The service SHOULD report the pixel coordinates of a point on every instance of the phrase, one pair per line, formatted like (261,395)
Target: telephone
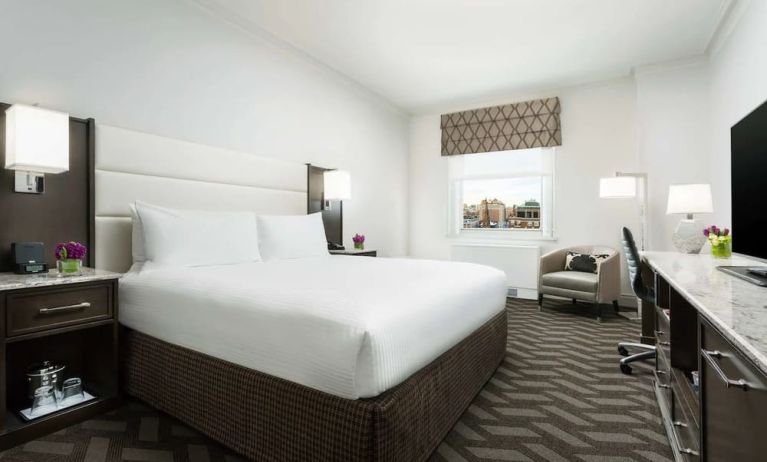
(334,246)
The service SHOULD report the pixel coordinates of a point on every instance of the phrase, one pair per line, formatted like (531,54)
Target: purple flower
(715,231)
(358,238)
(70,250)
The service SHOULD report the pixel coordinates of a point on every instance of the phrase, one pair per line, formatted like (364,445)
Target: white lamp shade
(689,199)
(338,185)
(36,140)
(619,187)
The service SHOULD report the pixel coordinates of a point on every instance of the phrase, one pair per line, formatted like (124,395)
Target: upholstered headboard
(134,166)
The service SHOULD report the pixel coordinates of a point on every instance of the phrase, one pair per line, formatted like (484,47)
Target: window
(503,194)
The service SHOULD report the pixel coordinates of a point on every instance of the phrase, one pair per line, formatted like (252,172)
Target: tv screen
(749,181)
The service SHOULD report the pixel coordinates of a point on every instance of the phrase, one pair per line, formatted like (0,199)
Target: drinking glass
(72,390)
(44,397)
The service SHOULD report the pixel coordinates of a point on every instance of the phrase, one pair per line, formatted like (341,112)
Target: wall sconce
(337,187)
(36,142)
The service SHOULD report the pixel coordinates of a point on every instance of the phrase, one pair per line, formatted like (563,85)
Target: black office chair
(642,291)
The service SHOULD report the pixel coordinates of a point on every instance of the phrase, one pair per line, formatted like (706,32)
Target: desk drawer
(734,399)
(686,431)
(662,325)
(663,341)
(53,308)
(686,441)
(663,385)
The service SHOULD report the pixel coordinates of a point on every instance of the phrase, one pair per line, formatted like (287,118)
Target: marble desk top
(736,307)
(11,281)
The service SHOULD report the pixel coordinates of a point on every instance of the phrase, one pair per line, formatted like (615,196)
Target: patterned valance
(530,124)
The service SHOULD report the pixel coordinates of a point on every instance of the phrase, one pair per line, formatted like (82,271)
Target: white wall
(599,138)
(738,74)
(167,67)
(673,113)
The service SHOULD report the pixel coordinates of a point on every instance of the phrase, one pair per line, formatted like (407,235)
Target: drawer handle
(709,356)
(658,333)
(664,386)
(664,343)
(674,425)
(65,308)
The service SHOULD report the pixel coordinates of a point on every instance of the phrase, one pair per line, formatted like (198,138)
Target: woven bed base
(270,419)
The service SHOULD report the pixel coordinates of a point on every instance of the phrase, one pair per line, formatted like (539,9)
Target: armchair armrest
(609,279)
(551,262)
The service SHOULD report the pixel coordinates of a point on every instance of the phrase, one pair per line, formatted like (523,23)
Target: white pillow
(137,236)
(197,238)
(283,237)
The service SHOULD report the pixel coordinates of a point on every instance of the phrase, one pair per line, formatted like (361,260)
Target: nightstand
(70,320)
(355,252)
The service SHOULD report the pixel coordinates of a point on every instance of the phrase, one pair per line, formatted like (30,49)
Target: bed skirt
(270,419)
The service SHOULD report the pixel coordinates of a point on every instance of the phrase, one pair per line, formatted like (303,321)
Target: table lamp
(689,199)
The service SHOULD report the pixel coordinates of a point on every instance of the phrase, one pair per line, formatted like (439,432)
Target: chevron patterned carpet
(557,397)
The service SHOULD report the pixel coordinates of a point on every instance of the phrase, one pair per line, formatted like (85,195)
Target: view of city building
(493,213)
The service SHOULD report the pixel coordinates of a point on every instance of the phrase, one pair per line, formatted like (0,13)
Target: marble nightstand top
(11,281)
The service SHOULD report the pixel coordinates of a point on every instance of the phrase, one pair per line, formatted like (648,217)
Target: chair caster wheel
(623,351)
(626,369)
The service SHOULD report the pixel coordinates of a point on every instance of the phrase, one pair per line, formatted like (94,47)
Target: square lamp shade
(337,185)
(36,140)
(689,199)
(619,187)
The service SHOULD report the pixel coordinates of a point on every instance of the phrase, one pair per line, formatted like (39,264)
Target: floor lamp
(628,186)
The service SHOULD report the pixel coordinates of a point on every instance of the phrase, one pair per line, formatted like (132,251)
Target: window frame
(455,204)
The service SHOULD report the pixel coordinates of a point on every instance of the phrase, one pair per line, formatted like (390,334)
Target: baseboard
(625,300)
(628,300)
(525,294)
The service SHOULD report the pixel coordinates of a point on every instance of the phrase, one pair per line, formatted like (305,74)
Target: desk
(713,325)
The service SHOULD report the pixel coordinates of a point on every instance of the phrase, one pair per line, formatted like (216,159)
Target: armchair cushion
(571,280)
(587,263)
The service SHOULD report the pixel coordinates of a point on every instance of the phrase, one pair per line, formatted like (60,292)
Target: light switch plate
(29,182)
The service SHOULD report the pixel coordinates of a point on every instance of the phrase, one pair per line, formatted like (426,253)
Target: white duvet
(350,326)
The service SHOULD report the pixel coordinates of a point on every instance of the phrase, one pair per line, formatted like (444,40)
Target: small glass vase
(722,249)
(359,246)
(69,267)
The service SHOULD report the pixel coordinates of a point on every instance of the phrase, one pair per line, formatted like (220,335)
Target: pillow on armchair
(584,262)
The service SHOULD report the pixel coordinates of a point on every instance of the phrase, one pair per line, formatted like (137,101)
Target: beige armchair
(601,288)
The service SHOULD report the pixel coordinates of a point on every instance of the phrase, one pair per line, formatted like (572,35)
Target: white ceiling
(425,53)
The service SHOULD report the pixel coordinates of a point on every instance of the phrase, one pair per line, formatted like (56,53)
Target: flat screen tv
(749,184)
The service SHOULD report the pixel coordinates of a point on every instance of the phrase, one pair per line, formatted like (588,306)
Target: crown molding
(666,66)
(729,16)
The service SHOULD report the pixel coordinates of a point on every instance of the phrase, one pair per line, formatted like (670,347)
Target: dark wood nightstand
(69,320)
(355,252)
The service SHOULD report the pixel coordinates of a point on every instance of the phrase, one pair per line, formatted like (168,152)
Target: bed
(326,358)
(336,358)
